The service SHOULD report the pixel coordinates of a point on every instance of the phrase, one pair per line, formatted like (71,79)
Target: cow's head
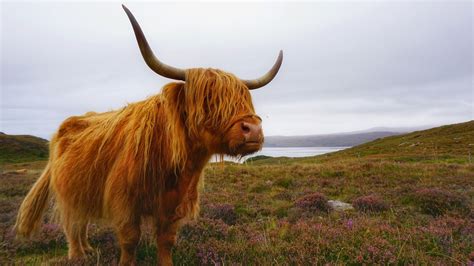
(217,106)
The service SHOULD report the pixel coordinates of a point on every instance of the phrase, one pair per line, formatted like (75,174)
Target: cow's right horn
(265,79)
(150,59)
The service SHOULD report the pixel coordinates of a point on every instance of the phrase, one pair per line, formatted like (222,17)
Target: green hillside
(450,143)
(22,148)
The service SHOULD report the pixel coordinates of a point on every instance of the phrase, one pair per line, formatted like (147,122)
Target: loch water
(285,152)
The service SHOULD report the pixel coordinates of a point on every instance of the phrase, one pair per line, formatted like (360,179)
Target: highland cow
(145,160)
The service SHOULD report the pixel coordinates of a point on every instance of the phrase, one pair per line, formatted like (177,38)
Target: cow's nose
(252,132)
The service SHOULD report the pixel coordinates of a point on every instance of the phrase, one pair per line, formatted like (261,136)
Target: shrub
(256,158)
(370,203)
(284,182)
(225,212)
(313,202)
(437,201)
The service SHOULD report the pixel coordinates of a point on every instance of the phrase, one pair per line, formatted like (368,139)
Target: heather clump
(436,201)
(313,203)
(347,240)
(203,229)
(8,212)
(208,254)
(50,234)
(370,203)
(224,212)
(378,251)
(277,221)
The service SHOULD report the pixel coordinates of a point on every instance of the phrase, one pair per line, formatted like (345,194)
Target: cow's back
(79,169)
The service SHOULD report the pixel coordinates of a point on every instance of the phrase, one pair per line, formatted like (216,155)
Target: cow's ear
(175,95)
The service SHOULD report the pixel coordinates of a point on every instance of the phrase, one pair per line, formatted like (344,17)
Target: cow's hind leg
(83,236)
(72,229)
(128,237)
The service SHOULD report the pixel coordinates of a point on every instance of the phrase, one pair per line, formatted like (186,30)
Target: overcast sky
(347,65)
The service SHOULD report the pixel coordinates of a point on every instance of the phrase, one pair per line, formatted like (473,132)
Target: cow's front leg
(128,237)
(165,240)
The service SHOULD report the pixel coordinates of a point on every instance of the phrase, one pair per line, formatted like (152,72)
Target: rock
(339,205)
(17,172)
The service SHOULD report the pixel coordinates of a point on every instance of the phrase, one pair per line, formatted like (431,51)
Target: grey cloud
(347,66)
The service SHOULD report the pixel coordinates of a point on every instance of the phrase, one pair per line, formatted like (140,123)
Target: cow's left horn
(150,59)
(265,79)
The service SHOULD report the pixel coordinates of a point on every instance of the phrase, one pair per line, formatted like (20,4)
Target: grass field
(413,205)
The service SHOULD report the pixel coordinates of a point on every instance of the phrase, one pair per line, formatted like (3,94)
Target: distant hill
(396,129)
(22,148)
(328,140)
(445,142)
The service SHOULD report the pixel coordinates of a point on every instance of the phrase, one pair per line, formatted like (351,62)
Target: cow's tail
(33,206)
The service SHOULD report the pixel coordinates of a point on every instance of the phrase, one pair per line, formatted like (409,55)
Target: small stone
(339,205)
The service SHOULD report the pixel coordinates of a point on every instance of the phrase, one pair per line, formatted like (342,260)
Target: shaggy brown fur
(142,161)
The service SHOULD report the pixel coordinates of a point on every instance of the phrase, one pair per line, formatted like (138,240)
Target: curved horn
(150,59)
(265,79)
